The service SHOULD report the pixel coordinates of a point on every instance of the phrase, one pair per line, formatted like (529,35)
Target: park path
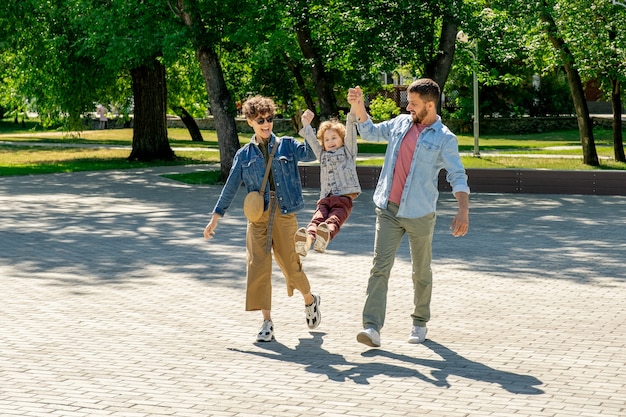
(112,304)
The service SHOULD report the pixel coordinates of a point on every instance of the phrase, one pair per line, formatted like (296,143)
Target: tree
(190,124)
(286,58)
(142,41)
(438,68)
(600,52)
(150,132)
(205,43)
(186,94)
(616,105)
(541,21)
(49,69)
(342,43)
(322,79)
(585,127)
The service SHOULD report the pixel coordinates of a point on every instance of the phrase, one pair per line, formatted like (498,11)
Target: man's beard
(418,118)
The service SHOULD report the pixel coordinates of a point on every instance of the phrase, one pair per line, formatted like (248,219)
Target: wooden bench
(528,181)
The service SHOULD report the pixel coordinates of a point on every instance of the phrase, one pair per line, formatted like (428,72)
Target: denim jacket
(249,168)
(437,148)
(338,174)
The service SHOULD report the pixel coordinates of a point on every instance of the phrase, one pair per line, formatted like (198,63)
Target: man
(419,146)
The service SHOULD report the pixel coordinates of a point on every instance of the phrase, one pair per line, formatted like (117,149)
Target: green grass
(525,144)
(503,162)
(27,159)
(123,137)
(205,177)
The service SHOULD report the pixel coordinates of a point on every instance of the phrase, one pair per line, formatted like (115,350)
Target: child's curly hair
(258,105)
(333,124)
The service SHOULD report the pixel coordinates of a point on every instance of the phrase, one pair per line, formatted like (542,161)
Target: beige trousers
(259,268)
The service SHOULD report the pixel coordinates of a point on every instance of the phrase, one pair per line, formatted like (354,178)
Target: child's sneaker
(266,334)
(322,238)
(313,313)
(302,241)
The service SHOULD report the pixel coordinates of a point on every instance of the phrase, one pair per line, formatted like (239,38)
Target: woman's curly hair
(258,105)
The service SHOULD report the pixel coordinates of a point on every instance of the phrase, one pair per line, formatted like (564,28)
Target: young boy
(336,148)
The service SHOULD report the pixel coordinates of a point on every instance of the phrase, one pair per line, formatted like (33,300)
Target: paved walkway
(112,304)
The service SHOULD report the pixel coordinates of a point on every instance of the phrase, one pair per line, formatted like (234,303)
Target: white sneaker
(302,240)
(322,237)
(418,334)
(266,334)
(369,337)
(313,313)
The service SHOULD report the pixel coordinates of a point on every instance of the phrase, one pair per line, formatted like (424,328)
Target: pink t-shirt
(403,162)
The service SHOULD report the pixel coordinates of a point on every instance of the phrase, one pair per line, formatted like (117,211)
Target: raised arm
(355,98)
(308,133)
(351,135)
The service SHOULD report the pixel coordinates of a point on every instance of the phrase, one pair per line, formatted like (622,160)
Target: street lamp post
(462,36)
(619,3)
(475,79)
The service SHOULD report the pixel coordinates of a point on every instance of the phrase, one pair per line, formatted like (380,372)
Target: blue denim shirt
(437,148)
(249,168)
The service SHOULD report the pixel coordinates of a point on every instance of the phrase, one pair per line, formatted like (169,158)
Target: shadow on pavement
(108,227)
(454,364)
(309,352)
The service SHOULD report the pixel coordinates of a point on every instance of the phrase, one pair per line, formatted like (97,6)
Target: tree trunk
(190,124)
(616,105)
(321,79)
(222,106)
(150,140)
(439,67)
(297,74)
(585,128)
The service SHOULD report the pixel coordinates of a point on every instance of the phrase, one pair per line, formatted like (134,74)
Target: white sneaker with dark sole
(313,313)
(266,334)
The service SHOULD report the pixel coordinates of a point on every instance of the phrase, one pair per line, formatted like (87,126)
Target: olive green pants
(389,232)
(259,267)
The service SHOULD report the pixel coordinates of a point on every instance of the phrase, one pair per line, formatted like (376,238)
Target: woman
(275,229)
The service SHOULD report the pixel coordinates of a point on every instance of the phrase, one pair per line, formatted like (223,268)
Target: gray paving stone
(114,305)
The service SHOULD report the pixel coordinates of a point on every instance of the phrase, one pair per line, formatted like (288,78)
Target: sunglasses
(262,121)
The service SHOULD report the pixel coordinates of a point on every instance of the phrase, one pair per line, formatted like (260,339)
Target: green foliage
(382,108)
(508,51)
(61,57)
(185,85)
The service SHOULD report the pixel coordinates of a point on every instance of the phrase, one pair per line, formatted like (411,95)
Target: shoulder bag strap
(267,169)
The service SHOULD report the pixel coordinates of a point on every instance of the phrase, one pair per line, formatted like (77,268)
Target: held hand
(355,96)
(460,224)
(307,117)
(209,230)
(357,106)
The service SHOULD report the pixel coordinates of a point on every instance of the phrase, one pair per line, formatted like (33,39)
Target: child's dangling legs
(320,215)
(336,210)
(304,237)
